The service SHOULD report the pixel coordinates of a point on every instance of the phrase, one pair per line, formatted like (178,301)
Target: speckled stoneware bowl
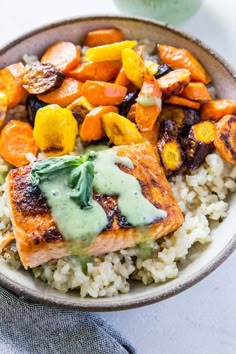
(203,260)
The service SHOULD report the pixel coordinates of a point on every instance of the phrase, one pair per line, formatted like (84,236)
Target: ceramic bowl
(203,260)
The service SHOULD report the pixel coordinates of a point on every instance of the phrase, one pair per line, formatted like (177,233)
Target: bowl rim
(140,300)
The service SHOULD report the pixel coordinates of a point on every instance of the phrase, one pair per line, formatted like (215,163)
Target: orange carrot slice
(148,105)
(101,71)
(196,91)
(10,83)
(179,58)
(65,95)
(63,55)
(103,36)
(122,79)
(225,141)
(16,140)
(181,101)
(216,109)
(102,93)
(92,128)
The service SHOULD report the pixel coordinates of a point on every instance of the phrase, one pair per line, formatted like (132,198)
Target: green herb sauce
(83,225)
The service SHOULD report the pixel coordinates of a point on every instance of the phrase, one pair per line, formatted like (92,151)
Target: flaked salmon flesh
(38,238)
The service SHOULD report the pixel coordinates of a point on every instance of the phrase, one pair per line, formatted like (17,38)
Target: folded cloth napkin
(27,328)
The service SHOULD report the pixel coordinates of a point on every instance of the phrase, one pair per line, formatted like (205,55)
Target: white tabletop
(202,320)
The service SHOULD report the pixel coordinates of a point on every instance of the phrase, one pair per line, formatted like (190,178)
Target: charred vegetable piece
(149,104)
(179,58)
(80,108)
(182,116)
(108,51)
(163,69)
(42,78)
(11,83)
(60,138)
(196,91)
(174,82)
(134,66)
(128,101)
(16,140)
(3,107)
(200,143)
(216,109)
(92,128)
(169,147)
(33,104)
(120,130)
(225,141)
(132,112)
(103,36)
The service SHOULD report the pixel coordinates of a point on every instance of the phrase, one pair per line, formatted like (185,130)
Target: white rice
(202,196)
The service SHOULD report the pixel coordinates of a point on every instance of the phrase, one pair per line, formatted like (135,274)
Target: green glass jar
(174,12)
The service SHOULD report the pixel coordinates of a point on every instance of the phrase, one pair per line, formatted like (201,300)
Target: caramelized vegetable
(108,51)
(103,36)
(63,55)
(183,102)
(120,130)
(122,79)
(134,66)
(152,136)
(152,67)
(179,58)
(11,83)
(60,138)
(80,108)
(92,127)
(102,71)
(225,141)
(216,109)
(42,78)
(148,105)
(182,116)
(33,104)
(174,82)
(200,143)
(163,69)
(3,107)
(16,140)
(102,93)
(66,94)
(129,100)
(169,147)
(132,112)
(196,91)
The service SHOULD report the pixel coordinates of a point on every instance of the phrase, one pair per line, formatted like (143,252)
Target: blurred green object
(174,12)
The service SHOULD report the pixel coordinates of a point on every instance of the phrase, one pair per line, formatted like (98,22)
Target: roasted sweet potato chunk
(169,147)
(225,141)
(200,143)
(174,82)
(41,78)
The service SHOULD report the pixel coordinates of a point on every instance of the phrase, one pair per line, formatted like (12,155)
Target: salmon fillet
(38,238)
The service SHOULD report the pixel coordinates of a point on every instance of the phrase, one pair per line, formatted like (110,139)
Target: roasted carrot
(181,101)
(102,93)
(179,58)
(103,36)
(152,135)
(225,141)
(65,95)
(3,107)
(216,109)
(16,140)
(196,91)
(63,55)
(10,83)
(174,82)
(132,112)
(148,105)
(6,240)
(122,79)
(92,127)
(101,71)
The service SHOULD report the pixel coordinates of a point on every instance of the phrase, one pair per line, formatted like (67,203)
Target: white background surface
(201,320)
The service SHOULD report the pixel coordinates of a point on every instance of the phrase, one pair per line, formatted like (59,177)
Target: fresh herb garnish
(80,175)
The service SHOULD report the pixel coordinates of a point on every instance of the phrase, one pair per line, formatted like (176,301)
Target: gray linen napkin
(27,328)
